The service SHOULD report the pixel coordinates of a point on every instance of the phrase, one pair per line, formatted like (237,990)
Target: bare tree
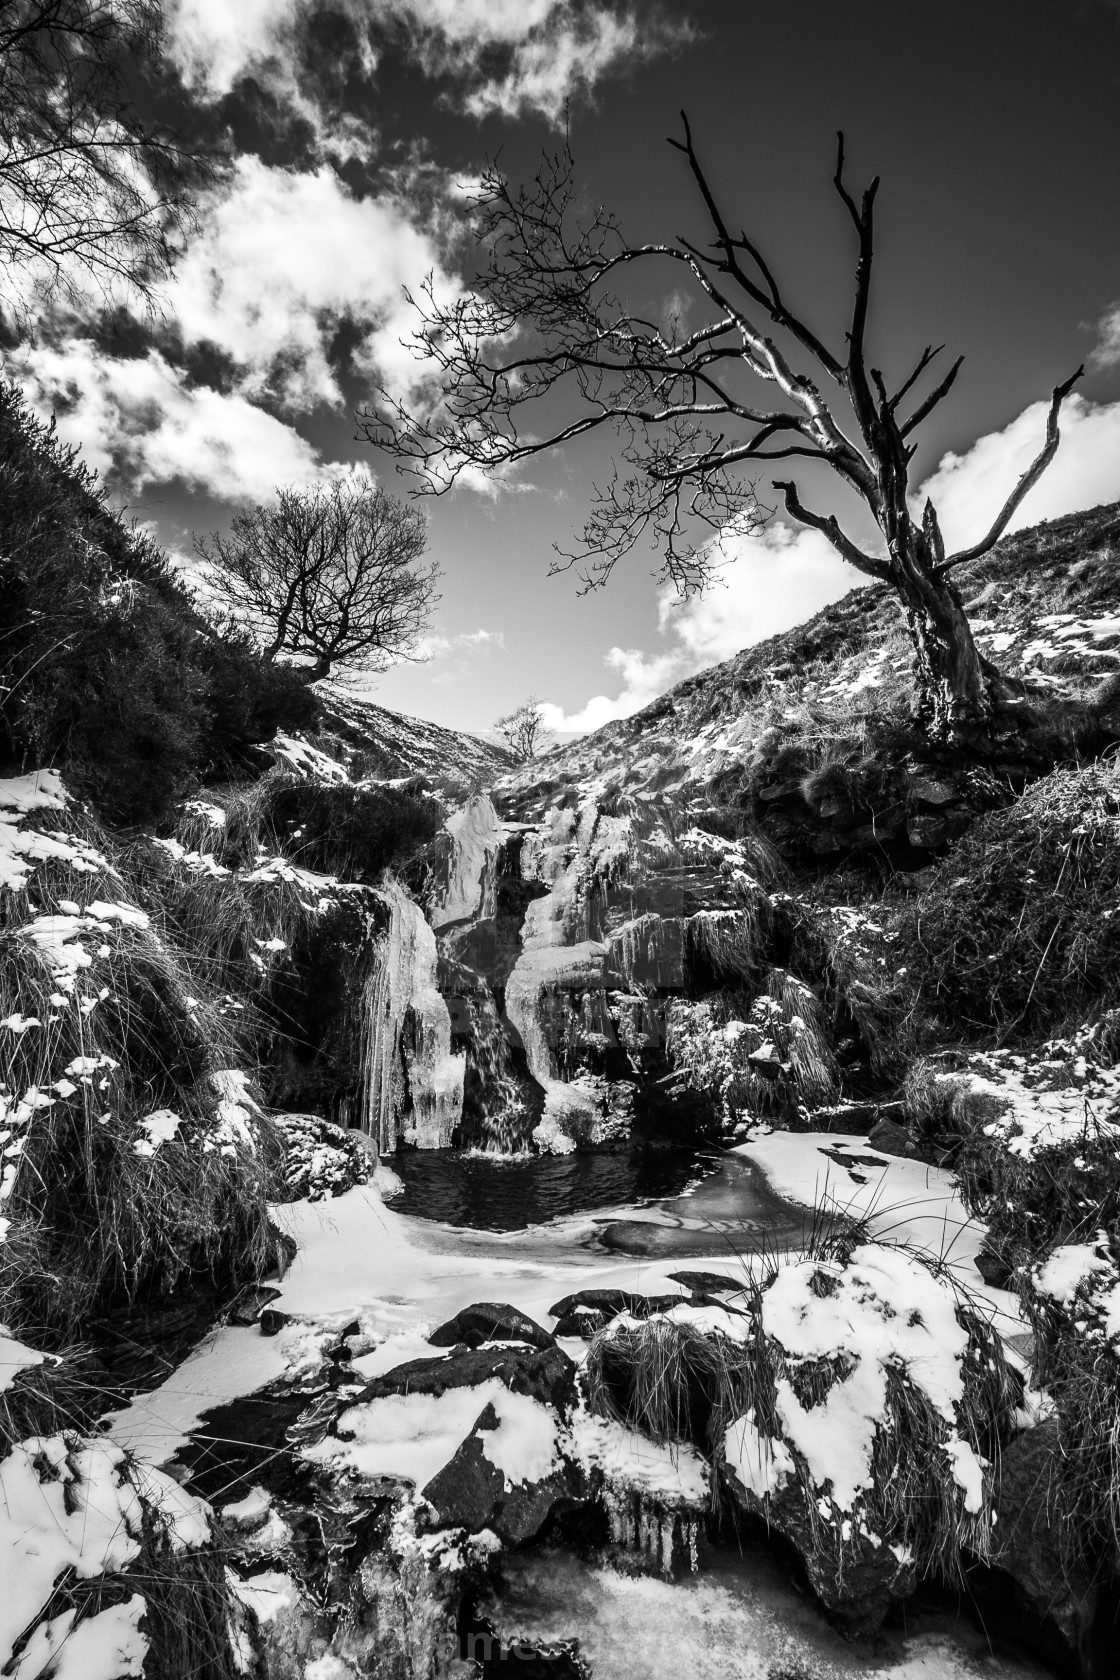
(91,196)
(544,324)
(328,575)
(523,730)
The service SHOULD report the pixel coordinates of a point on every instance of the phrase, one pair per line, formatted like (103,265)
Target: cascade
(506,1116)
(412,1083)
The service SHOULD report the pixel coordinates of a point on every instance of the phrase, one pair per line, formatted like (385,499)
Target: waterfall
(412,1083)
(505,1115)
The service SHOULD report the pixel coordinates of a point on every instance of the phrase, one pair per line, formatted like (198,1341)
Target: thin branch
(830,528)
(926,408)
(1029,479)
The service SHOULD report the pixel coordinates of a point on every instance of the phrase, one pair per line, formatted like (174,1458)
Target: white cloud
(281,259)
(566,56)
(1106,352)
(556,48)
(139,421)
(212,43)
(770,580)
(453,655)
(968,490)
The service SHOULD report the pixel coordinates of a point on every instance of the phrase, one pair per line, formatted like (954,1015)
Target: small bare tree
(91,195)
(523,730)
(544,324)
(328,575)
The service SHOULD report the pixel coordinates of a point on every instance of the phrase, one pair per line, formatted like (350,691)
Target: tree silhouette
(91,195)
(328,575)
(523,730)
(543,350)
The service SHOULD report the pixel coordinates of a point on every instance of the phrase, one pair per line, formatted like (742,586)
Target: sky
(353,131)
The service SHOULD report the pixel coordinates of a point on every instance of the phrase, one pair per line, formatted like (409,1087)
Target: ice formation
(412,1080)
(476,834)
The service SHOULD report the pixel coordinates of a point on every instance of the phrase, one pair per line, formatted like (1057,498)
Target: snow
(306,760)
(762,1464)
(266,1594)
(161,1125)
(669,1475)
(39,790)
(903,1201)
(78,1505)
(14,1358)
(412,1436)
(399,1276)
(1067,1268)
(252,1508)
(108,1646)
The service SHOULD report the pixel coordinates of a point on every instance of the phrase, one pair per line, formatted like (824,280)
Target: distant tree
(523,730)
(543,350)
(329,575)
(91,195)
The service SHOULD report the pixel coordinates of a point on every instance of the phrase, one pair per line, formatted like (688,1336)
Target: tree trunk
(959,692)
(314,673)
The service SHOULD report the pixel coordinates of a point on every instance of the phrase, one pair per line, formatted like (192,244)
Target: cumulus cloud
(769,580)
(553,49)
(778,576)
(968,490)
(139,421)
(282,258)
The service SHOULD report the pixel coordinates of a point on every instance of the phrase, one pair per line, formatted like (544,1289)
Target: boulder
(545,1374)
(891,1138)
(490,1321)
(472,1492)
(611,1302)
(1027,1545)
(858,1583)
(708,1283)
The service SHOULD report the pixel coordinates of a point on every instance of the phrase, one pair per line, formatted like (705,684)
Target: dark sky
(995,126)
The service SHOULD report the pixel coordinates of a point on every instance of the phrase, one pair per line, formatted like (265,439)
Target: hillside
(392,744)
(799,729)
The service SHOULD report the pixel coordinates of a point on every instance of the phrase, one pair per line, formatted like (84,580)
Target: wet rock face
(858,1588)
(1027,1546)
(544,1374)
(472,1492)
(490,1321)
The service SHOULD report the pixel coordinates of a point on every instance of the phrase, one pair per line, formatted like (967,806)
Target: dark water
(496,1193)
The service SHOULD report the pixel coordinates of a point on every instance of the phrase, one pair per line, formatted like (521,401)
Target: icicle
(668,1527)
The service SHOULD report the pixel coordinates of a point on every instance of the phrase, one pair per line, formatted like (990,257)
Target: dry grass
(134,1033)
(1016,934)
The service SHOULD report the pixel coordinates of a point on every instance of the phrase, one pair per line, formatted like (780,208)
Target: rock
(583,1322)
(611,1302)
(929,791)
(248,1305)
(546,1374)
(1027,1543)
(272,1322)
(707,1283)
(858,1588)
(490,1321)
(471,1491)
(993,1269)
(891,1138)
